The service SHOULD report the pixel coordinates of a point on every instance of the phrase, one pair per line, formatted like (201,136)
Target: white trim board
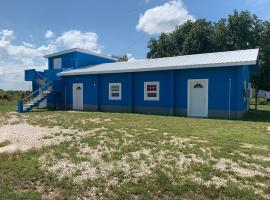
(146,98)
(110,92)
(57,63)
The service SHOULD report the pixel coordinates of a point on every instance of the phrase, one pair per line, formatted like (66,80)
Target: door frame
(188,99)
(78,84)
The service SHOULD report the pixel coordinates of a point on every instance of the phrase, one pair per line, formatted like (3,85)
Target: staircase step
(27,107)
(37,99)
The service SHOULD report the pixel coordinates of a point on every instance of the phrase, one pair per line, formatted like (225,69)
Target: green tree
(199,38)
(263,81)
(122,58)
(241,30)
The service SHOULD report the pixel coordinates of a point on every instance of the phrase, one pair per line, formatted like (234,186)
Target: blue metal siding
(89,88)
(173,93)
(78,59)
(103,89)
(51,74)
(86,59)
(29,75)
(173,88)
(68,60)
(72,60)
(218,86)
(165,94)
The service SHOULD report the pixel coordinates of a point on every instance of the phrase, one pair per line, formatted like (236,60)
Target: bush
(261,101)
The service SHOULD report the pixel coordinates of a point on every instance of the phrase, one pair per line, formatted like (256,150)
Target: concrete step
(25,108)
(47,92)
(31,104)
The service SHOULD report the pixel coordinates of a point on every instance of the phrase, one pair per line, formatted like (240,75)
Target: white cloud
(49,34)
(28,44)
(15,58)
(164,18)
(7,35)
(78,39)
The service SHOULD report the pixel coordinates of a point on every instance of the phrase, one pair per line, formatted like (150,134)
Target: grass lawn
(8,106)
(131,156)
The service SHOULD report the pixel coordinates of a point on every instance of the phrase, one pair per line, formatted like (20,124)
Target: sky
(30,29)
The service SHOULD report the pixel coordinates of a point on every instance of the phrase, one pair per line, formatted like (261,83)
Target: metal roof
(82,51)
(219,59)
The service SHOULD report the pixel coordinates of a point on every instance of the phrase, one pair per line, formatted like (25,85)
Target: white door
(77,96)
(198,97)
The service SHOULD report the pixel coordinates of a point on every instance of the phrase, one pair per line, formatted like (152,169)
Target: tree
(199,38)
(241,30)
(122,58)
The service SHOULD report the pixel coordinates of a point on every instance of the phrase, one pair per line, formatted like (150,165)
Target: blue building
(203,85)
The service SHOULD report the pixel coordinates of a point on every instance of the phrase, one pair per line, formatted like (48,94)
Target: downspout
(65,97)
(230,91)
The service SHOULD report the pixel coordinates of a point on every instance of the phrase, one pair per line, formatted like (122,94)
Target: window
(198,85)
(115,91)
(151,91)
(57,63)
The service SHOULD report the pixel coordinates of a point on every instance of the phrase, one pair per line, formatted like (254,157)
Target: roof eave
(70,73)
(79,50)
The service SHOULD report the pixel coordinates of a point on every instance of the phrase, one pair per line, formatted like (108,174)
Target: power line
(133,43)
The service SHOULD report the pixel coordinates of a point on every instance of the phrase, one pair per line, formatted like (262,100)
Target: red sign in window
(151,87)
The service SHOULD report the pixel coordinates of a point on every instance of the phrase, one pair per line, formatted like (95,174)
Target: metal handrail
(30,95)
(41,78)
(40,82)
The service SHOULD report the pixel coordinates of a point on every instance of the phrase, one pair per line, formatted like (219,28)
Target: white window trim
(146,98)
(57,63)
(110,92)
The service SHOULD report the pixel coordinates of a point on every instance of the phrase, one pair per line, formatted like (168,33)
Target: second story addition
(76,58)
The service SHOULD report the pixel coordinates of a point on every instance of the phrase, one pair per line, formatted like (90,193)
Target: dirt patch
(214,181)
(23,137)
(54,194)
(263,158)
(229,165)
(255,157)
(252,146)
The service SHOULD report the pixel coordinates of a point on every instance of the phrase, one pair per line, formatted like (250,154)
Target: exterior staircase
(32,103)
(34,99)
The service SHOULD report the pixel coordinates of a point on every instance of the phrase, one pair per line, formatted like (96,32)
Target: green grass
(4,143)
(8,106)
(132,143)
(8,100)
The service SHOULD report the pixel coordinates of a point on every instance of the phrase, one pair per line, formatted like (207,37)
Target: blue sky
(32,28)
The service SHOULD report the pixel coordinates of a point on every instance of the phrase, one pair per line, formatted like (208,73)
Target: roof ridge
(82,51)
